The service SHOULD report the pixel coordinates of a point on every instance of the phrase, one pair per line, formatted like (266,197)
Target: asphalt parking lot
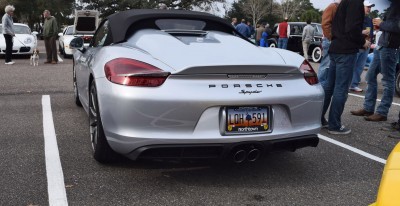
(342,170)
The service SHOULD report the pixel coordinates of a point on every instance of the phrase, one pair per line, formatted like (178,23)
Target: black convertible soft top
(123,24)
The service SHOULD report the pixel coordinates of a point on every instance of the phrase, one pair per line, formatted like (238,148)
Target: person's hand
(367,44)
(377,22)
(365,32)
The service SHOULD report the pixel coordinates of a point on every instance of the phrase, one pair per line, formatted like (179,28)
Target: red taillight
(131,72)
(309,74)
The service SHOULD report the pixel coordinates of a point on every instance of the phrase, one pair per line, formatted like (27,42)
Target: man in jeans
(327,18)
(363,53)
(283,31)
(384,62)
(347,39)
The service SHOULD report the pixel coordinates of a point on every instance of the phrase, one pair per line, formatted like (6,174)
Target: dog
(35,57)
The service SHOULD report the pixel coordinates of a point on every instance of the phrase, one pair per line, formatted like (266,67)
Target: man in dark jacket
(384,62)
(347,39)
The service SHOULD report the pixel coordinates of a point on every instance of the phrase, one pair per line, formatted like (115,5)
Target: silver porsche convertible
(183,84)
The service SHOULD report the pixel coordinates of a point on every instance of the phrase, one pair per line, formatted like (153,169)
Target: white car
(86,22)
(25,41)
(64,39)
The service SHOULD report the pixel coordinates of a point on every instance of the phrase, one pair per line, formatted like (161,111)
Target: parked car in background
(24,41)
(295,42)
(85,24)
(171,84)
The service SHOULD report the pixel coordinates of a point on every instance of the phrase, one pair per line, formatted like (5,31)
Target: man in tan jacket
(327,18)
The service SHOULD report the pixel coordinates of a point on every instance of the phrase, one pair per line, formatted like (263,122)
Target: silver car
(184,84)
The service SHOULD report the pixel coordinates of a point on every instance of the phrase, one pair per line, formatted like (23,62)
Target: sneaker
(394,126)
(356,89)
(10,63)
(342,130)
(324,123)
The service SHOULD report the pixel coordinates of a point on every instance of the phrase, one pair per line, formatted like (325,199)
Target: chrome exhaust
(253,155)
(239,156)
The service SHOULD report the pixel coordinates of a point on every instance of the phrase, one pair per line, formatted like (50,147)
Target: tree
(236,11)
(312,15)
(107,7)
(255,9)
(293,9)
(30,12)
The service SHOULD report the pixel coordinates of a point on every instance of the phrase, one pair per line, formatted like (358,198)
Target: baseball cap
(368,4)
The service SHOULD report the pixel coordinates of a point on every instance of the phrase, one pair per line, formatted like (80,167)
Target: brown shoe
(375,118)
(361,112)
(54,62)
(47,62)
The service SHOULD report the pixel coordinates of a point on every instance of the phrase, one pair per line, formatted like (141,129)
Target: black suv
(295,43)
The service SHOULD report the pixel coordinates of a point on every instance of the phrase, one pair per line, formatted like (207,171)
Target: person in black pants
(8,31)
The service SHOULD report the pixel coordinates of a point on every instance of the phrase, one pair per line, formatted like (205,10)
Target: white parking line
(55,176)
(353,149)
(356,95)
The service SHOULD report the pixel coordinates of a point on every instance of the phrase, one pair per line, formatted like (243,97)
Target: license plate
(247,119)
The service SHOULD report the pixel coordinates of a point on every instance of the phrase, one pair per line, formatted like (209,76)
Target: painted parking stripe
(356,95)
(55,176)
(360,152)
(353,149)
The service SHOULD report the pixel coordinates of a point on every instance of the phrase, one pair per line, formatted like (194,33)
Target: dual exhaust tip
(250,155)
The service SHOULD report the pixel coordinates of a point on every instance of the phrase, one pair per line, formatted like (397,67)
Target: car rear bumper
(215,151)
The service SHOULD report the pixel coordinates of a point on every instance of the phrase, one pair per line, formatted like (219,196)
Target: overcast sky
(322,4)
(379,4)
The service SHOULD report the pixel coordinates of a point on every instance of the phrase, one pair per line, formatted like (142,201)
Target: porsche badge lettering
(225,86)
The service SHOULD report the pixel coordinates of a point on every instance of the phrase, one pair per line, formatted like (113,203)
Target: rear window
(180,24)
(86,24)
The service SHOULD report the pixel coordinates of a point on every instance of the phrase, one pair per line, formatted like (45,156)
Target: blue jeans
(384,62)
(325,61)
(360,64)
(282,43)
(338,80)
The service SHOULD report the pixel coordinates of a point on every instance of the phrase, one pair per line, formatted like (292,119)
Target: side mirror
(76,43)
(60,34)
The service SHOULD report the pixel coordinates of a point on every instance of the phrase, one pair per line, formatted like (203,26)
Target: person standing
(283,30)
(386,56)
(259,30)
(347,39)
(234,22)
(50,32)
(307,37)
(8,32)
(363,53)
(264,39)
(243,28)
(326,23)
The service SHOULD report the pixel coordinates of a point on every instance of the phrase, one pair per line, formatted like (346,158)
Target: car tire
(76,92)
(397,87)
(102,151)
(316,54)
(273,45)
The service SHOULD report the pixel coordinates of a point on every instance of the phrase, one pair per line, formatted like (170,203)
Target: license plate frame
(247,119)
